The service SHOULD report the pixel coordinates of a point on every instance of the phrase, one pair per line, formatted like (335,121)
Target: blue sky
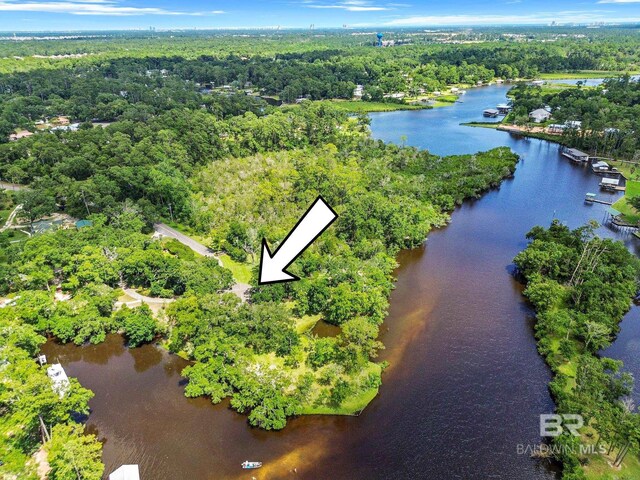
(24,15)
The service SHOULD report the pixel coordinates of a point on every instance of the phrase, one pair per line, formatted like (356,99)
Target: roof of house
(83,223)
(610,181)
(613,211)
(540,112)
(577,153)
(126,472)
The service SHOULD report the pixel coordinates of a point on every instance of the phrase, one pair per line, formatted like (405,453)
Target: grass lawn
(4,214)
(482,124)
(356,106)
(241,271)
(598,468)
(352,405)
(582,74)
(306,323)
(623,206)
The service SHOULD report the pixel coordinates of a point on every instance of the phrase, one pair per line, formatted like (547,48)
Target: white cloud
(349,5)
(496,19)
(89,7)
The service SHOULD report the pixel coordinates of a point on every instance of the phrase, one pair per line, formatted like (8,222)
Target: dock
(591,198)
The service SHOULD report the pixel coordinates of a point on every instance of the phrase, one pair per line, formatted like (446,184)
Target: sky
(64,15)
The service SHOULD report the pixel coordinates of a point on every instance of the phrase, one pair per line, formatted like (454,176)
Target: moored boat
(247,464)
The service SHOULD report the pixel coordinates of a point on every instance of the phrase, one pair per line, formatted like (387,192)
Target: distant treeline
(148,80)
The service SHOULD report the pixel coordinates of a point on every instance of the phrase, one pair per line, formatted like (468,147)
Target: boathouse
(503,108)
(556,128)
(490,112)
(575,155)
(610,184)
(603,167)
(126,472)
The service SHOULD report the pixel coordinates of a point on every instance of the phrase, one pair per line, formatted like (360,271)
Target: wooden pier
(591,198)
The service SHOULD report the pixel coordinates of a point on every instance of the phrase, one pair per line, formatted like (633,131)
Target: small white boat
(247,464)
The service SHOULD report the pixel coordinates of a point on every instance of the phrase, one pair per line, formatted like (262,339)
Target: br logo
(553,425)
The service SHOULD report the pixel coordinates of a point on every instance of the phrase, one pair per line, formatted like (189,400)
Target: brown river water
(465,385)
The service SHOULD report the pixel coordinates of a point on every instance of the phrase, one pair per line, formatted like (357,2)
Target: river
(465,386)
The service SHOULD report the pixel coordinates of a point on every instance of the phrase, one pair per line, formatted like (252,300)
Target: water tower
(379,35)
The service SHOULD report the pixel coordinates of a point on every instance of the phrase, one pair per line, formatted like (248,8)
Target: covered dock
(611,184)
(575,155)
(490,112)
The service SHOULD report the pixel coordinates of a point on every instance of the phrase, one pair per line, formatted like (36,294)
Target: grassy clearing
(623,205)
(583,74)
(352,405)
(599,468)
(358,106)
(306,323)
(241,271)
(493,125)
(4,214)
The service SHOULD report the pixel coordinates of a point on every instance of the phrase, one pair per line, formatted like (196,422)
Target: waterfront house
(19,134)
(126,472)
(539,115)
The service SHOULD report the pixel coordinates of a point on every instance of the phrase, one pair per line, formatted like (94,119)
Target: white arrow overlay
(315,221)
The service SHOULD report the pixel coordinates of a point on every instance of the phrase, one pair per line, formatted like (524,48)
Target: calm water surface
(465,385)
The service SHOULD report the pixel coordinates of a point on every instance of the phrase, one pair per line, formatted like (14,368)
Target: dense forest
(581,286)
(195,168)
(145,77)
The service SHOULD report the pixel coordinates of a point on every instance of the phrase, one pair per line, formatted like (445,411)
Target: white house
(540,115)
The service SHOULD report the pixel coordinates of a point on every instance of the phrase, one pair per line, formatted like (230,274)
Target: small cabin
(490,112)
